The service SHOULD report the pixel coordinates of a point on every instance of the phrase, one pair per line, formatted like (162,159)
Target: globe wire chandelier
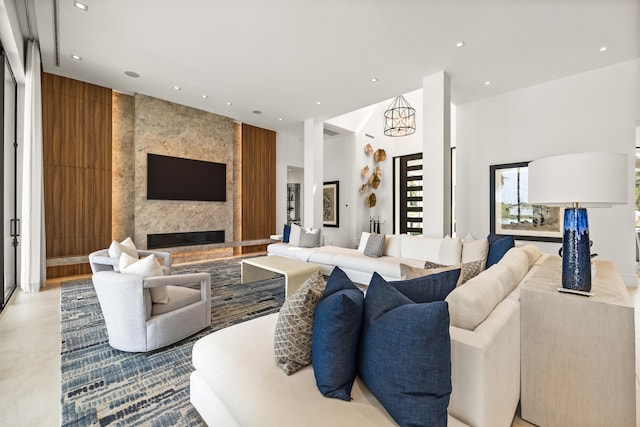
(400,118)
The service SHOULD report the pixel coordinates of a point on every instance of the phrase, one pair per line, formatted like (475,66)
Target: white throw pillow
(450,252)
(145,267)
(294,236)
(127,246)
(363,241)
(474,250)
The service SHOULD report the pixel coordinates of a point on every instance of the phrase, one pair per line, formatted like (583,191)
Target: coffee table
(261,268)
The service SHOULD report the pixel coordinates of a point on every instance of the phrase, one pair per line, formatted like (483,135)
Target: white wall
(368,127)
(289,152)
(339,166)
(593,111)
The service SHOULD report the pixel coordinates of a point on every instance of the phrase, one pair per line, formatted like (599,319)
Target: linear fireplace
(168,240)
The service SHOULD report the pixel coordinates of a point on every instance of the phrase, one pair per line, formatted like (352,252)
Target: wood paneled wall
(76,132)
(258,185)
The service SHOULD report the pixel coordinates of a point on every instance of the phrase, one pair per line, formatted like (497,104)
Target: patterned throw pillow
(469,269)
(294,328)
(375,245)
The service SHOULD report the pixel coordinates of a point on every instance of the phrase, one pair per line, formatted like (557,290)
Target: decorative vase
(576,253)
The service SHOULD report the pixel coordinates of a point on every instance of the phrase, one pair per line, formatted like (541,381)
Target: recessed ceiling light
(229,104)
(603,49)
(280,119)
(205,96)
(374,80)
(461,43)
(81,6)
(257,112)
(132,74)
(76,57)
(177,88)
(319,102)
(487,83)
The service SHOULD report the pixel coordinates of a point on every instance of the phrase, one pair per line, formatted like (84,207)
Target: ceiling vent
(330,132)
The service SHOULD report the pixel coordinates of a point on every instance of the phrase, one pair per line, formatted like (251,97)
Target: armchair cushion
(177,297)
(146,267)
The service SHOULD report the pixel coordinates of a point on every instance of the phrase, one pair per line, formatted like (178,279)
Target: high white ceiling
(283,56)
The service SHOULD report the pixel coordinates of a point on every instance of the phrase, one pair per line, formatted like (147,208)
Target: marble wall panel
(123,166)
(165,128)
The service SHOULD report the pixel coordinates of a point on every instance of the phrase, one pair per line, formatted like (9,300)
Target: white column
(436,155)
(313,172)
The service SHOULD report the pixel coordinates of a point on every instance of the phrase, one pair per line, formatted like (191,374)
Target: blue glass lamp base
(576,252)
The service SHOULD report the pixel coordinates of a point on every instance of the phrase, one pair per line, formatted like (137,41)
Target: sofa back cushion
(420,248)
(471,303)
(392,245)
(517,261)
(533,253)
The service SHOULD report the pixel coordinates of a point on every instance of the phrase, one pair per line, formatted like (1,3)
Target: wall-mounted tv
(175,178)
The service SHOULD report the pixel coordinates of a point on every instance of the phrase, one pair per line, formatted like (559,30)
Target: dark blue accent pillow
(430,288)
(405,355)
(336,332)
(498,246)
(286,233)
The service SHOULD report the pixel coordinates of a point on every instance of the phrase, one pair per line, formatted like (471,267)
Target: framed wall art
(330,204)
(510,211)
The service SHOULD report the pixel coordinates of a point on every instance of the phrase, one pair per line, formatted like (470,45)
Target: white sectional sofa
(236,381)
(398,248)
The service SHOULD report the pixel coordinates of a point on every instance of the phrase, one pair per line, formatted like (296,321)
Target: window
(407,198)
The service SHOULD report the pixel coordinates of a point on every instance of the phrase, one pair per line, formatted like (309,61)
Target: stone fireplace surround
(141,125)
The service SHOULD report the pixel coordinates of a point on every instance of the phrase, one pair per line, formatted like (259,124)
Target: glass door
(11,227)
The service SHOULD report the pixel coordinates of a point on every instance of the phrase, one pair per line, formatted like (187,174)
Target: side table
(577,353)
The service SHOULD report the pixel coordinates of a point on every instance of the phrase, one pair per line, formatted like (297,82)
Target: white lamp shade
(589,179)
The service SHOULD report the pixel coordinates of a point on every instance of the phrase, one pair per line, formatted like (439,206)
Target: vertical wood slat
(76,118)
(258,185)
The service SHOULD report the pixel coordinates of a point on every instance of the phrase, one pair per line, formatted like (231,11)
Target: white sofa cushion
(420,248)
(386,266)
(472,302)
(533,253)
(450,252)
(237,365)
(517,261)
(392,245)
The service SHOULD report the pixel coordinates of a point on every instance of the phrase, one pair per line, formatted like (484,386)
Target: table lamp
(576,182)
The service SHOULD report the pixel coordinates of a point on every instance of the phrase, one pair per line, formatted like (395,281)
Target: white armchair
(135,324)
(101,261)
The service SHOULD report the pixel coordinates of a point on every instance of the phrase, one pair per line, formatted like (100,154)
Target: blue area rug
(107,387)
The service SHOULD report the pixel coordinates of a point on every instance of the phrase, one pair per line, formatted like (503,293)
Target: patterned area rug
(107,387)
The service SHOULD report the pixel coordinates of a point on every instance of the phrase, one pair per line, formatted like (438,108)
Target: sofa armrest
(485,369)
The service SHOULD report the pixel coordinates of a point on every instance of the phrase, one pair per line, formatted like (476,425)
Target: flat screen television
(176,178)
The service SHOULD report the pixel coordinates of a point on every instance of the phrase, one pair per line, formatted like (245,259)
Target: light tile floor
(30,358)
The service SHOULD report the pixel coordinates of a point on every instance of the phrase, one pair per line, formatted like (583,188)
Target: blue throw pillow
(286,233)
(405,355)
(429,288)
(336,332)
(498,246)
